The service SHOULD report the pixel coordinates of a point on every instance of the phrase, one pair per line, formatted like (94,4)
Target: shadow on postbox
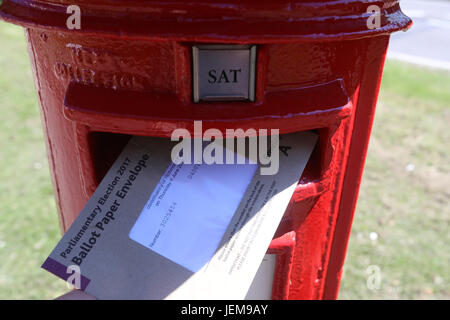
(106,71)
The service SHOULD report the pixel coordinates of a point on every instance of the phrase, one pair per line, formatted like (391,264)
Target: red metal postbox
(128,71)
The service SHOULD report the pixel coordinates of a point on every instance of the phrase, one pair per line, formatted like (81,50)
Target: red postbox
(126,69)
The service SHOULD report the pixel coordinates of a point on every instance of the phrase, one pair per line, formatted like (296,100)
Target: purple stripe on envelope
(60,270)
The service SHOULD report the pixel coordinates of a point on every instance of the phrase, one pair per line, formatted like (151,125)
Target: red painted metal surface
(127,71)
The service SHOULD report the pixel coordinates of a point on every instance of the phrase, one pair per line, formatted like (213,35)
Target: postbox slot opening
(105,147)
(315,167)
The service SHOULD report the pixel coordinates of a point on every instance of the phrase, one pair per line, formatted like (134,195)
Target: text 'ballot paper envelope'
(158,230)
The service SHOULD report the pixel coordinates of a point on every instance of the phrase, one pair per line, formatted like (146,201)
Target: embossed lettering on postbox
(224,72)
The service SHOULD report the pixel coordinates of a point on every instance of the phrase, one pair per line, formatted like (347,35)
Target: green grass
(404,196)
(28,219)
(408,210)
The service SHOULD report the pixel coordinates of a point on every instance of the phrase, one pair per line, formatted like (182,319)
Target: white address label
(190,209)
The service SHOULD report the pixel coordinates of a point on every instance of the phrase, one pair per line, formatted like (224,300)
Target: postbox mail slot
(143,113)
(106,146)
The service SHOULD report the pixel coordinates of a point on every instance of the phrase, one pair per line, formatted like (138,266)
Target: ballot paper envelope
(154,229)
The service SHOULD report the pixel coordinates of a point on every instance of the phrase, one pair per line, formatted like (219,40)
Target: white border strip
(432,63)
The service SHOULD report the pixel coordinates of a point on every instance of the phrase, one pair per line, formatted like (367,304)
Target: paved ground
(428,40)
